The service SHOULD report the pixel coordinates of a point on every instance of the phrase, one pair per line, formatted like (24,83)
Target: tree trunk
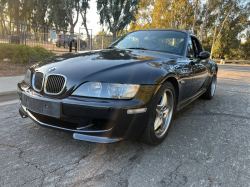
(72,27)
(72,23)
(215,30)
(195,12)
(2,29)
(17,16)
(221,55)
(84,18)
(226,18)
(215,38)
(205,20)
(114,32)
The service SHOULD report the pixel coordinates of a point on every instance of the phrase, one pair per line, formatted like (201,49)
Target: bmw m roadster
(130,90)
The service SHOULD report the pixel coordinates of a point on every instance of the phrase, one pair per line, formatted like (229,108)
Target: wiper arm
(137,48)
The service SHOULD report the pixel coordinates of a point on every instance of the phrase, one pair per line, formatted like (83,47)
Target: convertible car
(130,90)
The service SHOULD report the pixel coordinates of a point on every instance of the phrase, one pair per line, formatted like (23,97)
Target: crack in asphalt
(37,166)
(29,181)
(138,153)
(85,181)
(21,152)
(75,165)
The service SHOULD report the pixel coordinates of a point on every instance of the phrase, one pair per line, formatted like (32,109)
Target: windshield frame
(161,30)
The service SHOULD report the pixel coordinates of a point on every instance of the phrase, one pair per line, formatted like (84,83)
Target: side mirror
(204,55)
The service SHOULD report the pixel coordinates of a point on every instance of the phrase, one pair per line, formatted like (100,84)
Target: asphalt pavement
(208,145)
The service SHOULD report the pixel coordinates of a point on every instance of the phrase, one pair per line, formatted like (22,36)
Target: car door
(199,67)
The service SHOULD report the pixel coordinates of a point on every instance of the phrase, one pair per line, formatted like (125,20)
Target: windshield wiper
(137,48)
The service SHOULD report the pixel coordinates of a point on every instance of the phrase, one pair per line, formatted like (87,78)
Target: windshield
(165,41)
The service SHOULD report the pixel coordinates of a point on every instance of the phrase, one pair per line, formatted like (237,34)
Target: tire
(83,46)
(152,135)
(209,94)
(66,45)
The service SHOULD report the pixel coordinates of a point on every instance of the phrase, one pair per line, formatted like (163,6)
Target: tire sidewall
(149,129)
(208,95)
(83,46)
(214,77)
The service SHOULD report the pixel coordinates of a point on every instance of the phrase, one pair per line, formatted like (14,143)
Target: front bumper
(94,120)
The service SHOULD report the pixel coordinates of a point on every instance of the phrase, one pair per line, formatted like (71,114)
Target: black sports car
(129,90)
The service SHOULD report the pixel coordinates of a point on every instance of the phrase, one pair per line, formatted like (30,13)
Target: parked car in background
(130,90)
(63,40)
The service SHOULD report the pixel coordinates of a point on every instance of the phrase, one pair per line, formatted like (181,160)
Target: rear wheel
(209,94)
(159,122)
(83,45)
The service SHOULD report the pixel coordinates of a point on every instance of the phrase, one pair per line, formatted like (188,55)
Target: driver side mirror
(204,55)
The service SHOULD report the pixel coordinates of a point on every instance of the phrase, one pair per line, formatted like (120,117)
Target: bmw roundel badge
(51,69)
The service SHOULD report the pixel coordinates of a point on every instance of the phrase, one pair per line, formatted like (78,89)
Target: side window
(197,47)
(190,49)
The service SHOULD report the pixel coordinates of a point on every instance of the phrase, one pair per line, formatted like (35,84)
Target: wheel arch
(175,84)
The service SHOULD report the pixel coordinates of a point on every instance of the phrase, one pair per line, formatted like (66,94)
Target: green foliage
(228,43)
(174,14)
(233,23)
(23,53)
(117,14)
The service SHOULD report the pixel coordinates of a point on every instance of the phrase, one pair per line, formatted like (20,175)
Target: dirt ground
(12,69)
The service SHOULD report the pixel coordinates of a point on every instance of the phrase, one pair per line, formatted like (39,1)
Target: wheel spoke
(163,101)
(158,111)
(166,112)
(157,123)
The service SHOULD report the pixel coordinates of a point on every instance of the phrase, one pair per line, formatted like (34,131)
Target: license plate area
(42,106)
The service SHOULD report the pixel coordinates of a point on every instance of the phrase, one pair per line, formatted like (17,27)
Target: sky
(92,20)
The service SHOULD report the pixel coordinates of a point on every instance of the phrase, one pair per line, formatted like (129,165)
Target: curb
(4,96)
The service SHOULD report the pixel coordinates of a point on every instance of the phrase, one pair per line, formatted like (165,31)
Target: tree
(144,16)
(83,11)
(215,31)
(56,14)
(234,20)
(195,12)
(205,20)
(72,7)
(171,14)
(117,14)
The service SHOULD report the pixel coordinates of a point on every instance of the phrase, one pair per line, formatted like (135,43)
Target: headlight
(107,90)
(27,77)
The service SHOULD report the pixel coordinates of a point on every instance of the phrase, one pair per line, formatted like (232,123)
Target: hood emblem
(51,69)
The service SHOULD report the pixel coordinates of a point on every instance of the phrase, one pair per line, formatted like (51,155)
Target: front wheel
(160,118)
(209,94)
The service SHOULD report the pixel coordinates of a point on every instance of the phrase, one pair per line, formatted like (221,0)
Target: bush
(18,53)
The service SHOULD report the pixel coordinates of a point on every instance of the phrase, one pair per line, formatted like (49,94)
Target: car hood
(109,65)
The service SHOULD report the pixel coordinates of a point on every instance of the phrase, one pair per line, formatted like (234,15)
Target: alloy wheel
(164,112)
(214,81)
